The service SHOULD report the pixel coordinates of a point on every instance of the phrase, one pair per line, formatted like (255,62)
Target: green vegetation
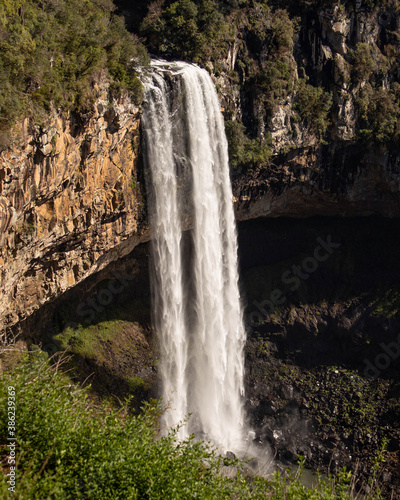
(313,105)
(264,35)
(272,34)
(110,354)
(386,303)
(85,340)
(53,52)
(274,83)
(378,106)
(364,62)
(379,111)
(67,447)
(187,29)
(244,152)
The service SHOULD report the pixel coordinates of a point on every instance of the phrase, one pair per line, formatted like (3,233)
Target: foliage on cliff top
(271,46)
(194,30)
(52,52)
(69,448)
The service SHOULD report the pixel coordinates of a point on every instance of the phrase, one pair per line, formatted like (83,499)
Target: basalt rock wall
(71,202)
(72,193)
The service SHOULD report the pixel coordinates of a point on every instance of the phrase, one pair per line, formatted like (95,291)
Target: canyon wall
(72,194)
(71,202)
(344,50)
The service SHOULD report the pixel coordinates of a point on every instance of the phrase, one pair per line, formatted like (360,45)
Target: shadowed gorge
(321,334)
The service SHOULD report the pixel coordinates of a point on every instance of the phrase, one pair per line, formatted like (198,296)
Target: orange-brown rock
(70,202)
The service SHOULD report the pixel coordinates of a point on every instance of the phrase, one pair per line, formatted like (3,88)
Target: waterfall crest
(196,303)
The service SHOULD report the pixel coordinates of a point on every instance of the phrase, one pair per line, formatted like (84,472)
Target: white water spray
(197,310)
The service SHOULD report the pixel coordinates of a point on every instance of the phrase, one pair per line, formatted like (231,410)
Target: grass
(116,355)
(84,340)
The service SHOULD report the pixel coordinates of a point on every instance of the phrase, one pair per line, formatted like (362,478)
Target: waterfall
(196,303)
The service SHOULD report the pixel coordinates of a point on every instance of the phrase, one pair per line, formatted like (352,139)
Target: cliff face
(341,180)
(349,172)
(71,202)
(71,195)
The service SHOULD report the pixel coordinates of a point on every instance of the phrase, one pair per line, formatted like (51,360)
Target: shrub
(186,29)
(275,82)
(267,56)
(67,447)
(283,30)
(313,105)
(365,63)
(51,52)
(243,151)
(379,113)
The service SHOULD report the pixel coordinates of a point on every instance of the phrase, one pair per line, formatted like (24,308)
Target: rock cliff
(71,201)
(344,49)
(72,193)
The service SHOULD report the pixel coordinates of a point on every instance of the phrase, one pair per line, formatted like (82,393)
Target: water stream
(196,304)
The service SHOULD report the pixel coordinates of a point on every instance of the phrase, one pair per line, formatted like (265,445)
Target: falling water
(197,310)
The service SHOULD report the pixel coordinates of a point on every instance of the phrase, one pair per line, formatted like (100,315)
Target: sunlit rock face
(70,201)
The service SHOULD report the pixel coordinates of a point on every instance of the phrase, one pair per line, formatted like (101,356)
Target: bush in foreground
(69,448)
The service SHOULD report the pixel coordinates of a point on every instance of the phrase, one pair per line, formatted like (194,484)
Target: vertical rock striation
(70,201)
